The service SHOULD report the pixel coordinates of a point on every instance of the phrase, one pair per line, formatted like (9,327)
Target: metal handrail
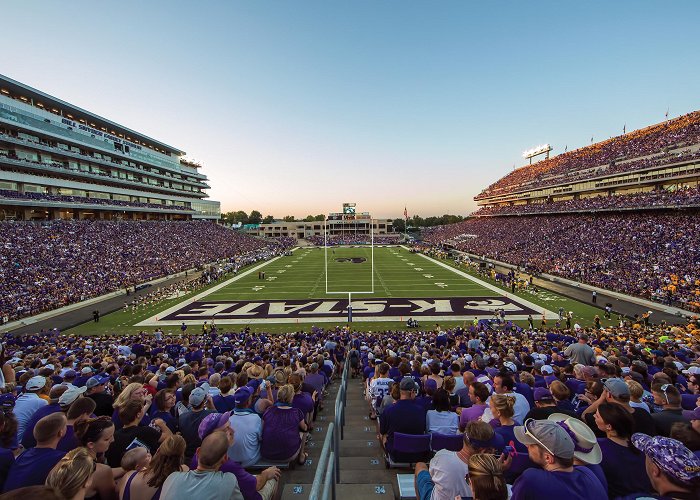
(328,468)
(328,443)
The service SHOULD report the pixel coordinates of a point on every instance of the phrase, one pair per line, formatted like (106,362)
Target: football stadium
(546,344)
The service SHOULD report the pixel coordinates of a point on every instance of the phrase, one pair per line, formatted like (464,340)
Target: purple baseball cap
(543,394)
(212,422)
(669,455)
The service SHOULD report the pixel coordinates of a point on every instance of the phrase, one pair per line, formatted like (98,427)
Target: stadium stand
(607,393)
(631,253)
(46,265)
(665,143)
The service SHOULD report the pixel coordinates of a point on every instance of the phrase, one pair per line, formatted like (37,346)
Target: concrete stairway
(362,471)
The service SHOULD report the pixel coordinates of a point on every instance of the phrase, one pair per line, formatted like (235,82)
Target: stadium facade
(58,161)
(347,223)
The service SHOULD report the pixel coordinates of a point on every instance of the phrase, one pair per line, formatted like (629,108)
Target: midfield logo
(249,309)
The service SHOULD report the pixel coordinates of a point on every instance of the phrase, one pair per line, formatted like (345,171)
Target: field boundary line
(548,314)
(149,321)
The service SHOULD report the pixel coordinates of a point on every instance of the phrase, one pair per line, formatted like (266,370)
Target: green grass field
(301,277)
(398,273)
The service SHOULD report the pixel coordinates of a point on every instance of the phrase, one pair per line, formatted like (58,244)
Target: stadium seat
(408,449)
(452,442)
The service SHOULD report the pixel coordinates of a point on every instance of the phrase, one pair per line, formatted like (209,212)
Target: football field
(315,285)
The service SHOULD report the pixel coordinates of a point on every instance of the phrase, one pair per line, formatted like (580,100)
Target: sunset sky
(295,107)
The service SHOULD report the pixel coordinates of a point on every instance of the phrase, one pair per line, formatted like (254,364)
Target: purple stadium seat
(452,442)
(409,449)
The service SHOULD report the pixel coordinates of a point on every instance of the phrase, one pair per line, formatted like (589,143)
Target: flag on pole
(667,113)
(405,213)
(566,148)
(624,129)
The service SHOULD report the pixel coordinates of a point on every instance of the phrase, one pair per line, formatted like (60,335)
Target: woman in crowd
(137,392)
(486,478)
(623,464)
(284,429)
(97,434)
(165,401)
(224,401)
(72,475)
(442,420)
(147,483)
(503,409)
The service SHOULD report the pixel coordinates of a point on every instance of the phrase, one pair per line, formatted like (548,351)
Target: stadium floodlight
(536,151)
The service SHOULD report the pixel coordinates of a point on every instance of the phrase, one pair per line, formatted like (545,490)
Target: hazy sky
(295,107)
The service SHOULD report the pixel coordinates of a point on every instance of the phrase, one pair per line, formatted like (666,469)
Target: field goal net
(349,262)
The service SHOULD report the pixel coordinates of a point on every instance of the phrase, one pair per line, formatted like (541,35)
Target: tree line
(256,217)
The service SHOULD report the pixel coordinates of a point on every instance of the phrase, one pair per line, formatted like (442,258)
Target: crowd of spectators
(651,257)
(664,143)
(590,414)
(52,264)
(16,195)
(660,199)
(352,239)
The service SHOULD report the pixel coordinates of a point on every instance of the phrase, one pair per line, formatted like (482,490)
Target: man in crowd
(33,466)
(30,401)
(551,448)
(669,398)
(405,416)
(580,352)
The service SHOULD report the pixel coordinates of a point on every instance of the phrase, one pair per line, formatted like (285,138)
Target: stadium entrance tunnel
(354,260)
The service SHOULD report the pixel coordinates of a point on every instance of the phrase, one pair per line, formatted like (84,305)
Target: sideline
(548,314)
(153,320)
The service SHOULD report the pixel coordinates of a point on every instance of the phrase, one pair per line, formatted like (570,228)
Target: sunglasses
(528,433)
(664,388)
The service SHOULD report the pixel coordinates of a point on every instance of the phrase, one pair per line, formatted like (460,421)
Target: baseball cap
(543,394)
(550,435)
(170,369)
(408,384)
(510,366)
(547,369)
(7,401)
(86,371)
(586,447)
(254,384)
(70,374)
(242,395)
(199,394)
(692,370)
(97,380)
(430,386)
(70,395)
(212,422)
(669,455)
(35,383)
(617,387)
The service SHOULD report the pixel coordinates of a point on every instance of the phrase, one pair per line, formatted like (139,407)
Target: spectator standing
(580,352)
(405,416)
(29,402)
(669,398)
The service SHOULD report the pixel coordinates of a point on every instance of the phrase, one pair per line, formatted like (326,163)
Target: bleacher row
(664,143)
(652,256)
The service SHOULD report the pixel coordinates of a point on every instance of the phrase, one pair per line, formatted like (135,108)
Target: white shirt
(247,426)
(521,408)
(25,407)
(378,388)
(447,472)
(442,422)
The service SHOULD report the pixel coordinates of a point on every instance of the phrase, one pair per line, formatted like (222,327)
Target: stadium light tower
(544,149)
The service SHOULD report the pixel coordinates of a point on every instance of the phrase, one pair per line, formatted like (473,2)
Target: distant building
(339,224)
(60,161)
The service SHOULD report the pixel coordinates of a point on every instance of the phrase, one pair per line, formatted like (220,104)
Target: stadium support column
(349,307)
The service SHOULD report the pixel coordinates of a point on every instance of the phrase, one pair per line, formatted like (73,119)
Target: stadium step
(342,491)
(362,470)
